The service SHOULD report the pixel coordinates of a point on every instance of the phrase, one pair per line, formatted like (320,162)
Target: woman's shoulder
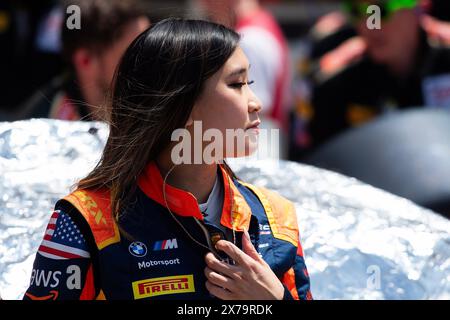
(273,197)
(94,207)
(280,212)
(91,204)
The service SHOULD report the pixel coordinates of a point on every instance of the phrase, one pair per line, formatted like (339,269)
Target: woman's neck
(197,179)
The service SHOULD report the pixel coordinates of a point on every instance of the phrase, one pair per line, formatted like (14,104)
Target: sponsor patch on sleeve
(63,240)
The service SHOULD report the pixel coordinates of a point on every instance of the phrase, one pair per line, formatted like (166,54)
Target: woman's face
(228,105)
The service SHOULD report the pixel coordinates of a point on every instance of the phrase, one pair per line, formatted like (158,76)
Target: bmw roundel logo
(138,249)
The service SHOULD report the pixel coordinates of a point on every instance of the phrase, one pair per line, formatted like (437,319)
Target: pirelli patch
(161,286)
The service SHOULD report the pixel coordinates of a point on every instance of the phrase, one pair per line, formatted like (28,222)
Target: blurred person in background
(267,49)
(29,56)
(92,53)
(357,74)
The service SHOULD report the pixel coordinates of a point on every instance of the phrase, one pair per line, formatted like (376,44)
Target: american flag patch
(63,240)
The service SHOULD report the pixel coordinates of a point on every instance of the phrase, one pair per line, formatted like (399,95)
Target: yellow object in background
(358,114)
(4,21)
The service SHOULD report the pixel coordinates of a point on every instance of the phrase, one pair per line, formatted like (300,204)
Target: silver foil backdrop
(360,242)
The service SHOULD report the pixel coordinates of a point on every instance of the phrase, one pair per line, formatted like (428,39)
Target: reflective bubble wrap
(359,242)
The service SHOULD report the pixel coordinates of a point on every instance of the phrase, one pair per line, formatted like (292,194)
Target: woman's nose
(254,105)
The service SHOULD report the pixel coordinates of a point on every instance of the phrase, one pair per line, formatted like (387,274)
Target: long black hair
(156,85)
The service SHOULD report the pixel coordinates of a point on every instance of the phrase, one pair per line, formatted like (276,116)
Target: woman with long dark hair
(143,224)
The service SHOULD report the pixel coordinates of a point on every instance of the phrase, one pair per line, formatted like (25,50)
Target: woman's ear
(190,121)
(193,116)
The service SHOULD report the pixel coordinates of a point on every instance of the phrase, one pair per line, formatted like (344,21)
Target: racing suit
(85,254)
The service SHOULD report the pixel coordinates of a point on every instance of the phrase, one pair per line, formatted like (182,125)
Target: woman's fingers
(234,253)
(250,278)
(219,292)
(219,280)
(222,267)
(248,248)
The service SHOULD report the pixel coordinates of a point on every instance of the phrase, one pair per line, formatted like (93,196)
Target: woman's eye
(239,85)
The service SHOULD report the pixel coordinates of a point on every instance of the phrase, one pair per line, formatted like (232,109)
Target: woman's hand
(249,279)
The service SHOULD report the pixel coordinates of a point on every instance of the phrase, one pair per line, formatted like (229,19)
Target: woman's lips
(254,125)
(254,130)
